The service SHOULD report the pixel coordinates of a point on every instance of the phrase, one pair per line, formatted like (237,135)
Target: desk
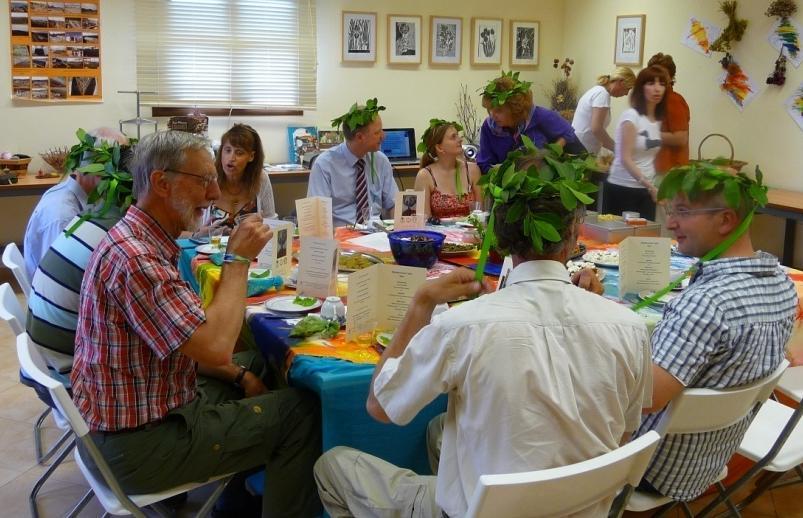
(27,185)
(787,205)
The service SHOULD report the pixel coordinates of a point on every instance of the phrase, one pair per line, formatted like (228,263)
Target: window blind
(227,53)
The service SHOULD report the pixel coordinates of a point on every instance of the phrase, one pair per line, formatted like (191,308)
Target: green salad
(312,325)
(304,301)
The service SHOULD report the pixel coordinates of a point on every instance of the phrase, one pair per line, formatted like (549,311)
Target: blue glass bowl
(416,247)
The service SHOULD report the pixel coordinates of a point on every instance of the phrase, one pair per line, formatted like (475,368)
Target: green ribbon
(486,246)
(373,168)
(457,181)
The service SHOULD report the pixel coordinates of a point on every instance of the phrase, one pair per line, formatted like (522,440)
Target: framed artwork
(446,41)
(359,36)
(486,41)
(629,49)
(404,39)
(523,43)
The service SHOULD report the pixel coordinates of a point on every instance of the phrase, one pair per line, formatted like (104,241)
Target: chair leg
(40,482)
(37,435)
(665,509)
(81,504)
(759,490)
(204,511)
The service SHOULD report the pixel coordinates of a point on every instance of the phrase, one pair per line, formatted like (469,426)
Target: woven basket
(197,124)
(730,163)
(17,166)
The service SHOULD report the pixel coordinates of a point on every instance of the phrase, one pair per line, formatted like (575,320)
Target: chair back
(698,410)
(564,490)
(10,309)
(12,259)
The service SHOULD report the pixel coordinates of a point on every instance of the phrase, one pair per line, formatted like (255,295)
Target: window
(227,53)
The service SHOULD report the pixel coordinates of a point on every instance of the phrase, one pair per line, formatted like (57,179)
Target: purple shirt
(542,127)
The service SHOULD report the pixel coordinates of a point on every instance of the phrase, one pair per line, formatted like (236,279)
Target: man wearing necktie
(355,174)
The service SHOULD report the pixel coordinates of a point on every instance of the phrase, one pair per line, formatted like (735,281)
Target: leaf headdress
(357,117)
(499,96)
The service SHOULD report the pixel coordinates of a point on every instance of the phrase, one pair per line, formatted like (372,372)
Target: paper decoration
(785,33)
(699,35)
(643,264)
(409,212)
(794,106)
(737,85)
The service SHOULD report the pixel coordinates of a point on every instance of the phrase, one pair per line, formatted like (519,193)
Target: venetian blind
(227,53)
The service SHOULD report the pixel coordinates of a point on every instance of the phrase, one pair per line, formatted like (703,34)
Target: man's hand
(252,385)
(454,285)
(588,280)
(250,237)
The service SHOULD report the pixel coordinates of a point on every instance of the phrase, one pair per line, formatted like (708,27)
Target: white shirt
(596,97)
(538,375)
(648,142)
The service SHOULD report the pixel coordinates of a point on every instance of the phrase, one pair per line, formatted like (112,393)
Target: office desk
(787,205)
(28,185)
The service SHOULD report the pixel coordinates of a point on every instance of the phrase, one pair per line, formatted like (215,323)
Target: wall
(762,134)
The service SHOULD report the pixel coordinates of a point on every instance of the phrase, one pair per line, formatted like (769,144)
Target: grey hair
(161,151)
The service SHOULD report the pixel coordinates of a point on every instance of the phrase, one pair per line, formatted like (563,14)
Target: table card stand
(276,253)
(314,215)
(317,267)
(410,212)
(643,264)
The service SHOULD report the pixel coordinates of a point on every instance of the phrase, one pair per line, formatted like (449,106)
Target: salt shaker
(334,309)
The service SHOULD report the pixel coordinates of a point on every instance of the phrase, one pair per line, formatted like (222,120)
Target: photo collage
(55,50)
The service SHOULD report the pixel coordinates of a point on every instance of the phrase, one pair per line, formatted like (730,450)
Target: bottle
(334,309)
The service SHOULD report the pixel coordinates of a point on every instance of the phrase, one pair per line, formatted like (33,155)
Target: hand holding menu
(643,264)
(314,217)
(379,296)
(317,267)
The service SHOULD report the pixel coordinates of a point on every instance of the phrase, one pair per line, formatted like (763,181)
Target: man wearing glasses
(728,328)
(153,375)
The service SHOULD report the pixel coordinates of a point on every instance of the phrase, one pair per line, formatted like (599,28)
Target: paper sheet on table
(378,241)
(643,264)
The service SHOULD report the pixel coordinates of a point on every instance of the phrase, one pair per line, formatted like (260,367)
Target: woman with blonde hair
(448,181)
(593,113)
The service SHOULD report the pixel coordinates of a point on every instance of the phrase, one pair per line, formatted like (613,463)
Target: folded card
(643,264)
(276,254)
(314,217)
(317,267)
(409,212)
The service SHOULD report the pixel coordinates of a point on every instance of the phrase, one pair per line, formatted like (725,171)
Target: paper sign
(317,267)
(409,212)
(314,217)
(276,254)
(379,296)
(643,264)
(504,273)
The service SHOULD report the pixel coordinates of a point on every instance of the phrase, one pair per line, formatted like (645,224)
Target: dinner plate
(383,339)
(456,253)
(209,249)
(607,258)
(285,304)
(345,254)
(644,295)
(570,266)
(461,223)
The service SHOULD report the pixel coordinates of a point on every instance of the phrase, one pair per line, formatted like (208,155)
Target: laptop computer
(399,146)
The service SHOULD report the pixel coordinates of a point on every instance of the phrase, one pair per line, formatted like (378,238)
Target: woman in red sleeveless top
(447,179)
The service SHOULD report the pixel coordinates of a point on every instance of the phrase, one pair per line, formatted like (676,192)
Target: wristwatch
(240,375)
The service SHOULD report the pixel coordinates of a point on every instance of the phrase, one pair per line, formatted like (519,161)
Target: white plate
(285,304)
(209,249)
(643,295)
(574,266)
(609,258)
(463,223)
(383,339)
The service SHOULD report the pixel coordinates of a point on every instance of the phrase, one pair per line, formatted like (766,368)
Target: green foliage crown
(434,123)
(359,116)
(499,97)
(560,175)
(701,177)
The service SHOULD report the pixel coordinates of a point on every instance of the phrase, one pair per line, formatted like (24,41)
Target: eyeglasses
(681,213)
(205,180)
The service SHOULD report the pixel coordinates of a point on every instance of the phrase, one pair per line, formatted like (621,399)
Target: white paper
(777,42)
(377,241)
(504,273)
(270,254)
(699,35)
(794,106)
(643,264)
(749,91)
(317,267)
(410,210)
(314,216)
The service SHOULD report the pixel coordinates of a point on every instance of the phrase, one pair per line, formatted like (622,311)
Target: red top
(676,119)
(136,311)
(444,205)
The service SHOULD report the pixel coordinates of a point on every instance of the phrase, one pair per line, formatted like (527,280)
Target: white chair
(12,259)
(105,487)
(697,410)
(10,310)
(564,490)
(791,383)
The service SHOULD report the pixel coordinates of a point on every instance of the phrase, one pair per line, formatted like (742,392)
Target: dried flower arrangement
(563,94)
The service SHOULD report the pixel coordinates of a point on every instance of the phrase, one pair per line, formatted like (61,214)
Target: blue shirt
(55,209)
(728,328)
(333,175)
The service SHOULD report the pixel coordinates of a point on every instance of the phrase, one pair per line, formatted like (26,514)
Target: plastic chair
(791,383)
(12,259)
(557,491)
(105,487)
(697,410)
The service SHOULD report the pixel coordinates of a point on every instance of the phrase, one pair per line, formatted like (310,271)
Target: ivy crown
(498,96)
(358,116)
(709,177)
(434,123)
(559,175)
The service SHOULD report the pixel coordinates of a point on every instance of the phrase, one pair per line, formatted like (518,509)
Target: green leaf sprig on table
(304,301)
(499,97)
(312,325)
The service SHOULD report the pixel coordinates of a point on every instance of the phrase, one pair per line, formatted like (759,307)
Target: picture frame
(524,43)
(404,39)
(446,41)
(486,41)
(358,37)
(629,47)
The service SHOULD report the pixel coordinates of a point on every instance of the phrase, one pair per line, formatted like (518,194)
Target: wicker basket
(730,163)
(197,124)
(18,166)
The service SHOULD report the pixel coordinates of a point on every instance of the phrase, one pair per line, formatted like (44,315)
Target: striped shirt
(728,328)
(56,285)
(135,313)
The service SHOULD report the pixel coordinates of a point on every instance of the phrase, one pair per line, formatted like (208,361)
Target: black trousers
(617,199)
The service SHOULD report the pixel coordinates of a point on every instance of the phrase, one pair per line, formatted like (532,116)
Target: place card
(643,264)
(317,267)
(314,217)
(276,254)
(409,212)
(378,297)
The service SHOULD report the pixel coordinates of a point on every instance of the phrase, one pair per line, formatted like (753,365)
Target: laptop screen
(399,144)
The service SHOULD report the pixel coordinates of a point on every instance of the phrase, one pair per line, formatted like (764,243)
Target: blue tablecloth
(185,262)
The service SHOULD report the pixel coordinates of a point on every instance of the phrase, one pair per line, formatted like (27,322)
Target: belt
(140,428)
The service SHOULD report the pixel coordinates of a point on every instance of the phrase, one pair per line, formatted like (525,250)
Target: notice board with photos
(55,50)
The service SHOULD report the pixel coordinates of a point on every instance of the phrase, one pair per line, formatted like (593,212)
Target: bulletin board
(55,50)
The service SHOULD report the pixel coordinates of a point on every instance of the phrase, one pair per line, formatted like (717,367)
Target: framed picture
(629,48)
(404,39)
(446,41)
(359,36)
(523,43)
(486,41)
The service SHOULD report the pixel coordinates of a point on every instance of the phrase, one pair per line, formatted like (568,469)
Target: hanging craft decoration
(699,34)
(734,30)
(778,75)
(736,83)
(794,106)
(785,33)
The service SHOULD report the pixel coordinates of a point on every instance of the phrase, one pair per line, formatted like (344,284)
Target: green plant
(733,31)
(467,115)
(358,116)
(499,97)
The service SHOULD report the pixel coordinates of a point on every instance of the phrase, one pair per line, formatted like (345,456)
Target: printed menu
(410,211)
(643,264)
(314,216)
(317,267)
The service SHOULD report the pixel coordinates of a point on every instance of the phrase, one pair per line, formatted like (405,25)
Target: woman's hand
(653,190)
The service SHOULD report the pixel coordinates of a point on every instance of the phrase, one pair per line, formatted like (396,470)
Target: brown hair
(519,105)
(666,61)
(245,137)
(432,139)
(637,99)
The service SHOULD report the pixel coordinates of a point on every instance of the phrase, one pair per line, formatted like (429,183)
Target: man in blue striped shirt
(728,328)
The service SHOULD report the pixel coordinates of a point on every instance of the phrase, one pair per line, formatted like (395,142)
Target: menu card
(504,273)
(409,212)
(276,254)
(378,297)
(317,267)
(314,217)
(643,264)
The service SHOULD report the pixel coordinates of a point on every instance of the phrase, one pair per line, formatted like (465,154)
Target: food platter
(454,249)
(286,304)
(579,251)
(351,261)
(607,258)
(576,266)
